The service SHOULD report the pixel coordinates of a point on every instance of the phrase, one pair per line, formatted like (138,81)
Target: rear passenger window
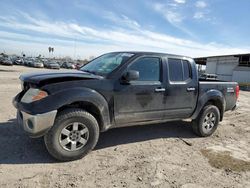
(179,70)
(186,70)
(175,69)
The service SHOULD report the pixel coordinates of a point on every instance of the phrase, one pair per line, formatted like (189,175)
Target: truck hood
(41,78)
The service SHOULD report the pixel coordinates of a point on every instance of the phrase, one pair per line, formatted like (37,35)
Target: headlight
(33,95)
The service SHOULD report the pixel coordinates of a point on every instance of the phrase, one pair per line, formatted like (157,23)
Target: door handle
(190,89)
(160,89)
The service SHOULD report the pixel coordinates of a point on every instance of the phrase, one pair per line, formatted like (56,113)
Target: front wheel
(207,121)
(74,133)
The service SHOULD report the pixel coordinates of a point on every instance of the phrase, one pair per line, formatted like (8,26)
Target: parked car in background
(38,64)
(68,65)
(6,61)
(25,61)
(1,59)
(13,58)
(78,65)
(28,62)
(51,65)
(18,61)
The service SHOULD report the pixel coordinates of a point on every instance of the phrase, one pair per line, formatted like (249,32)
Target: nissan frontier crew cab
(70,108)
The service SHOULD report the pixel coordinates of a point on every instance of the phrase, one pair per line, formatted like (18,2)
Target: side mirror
(131,75)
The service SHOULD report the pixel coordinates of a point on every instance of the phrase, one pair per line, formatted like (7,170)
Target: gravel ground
(163,155)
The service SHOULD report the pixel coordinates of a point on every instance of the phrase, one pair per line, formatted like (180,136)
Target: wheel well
(88,107)
(218,104)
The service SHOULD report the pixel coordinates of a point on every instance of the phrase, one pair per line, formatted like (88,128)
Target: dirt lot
(165,155)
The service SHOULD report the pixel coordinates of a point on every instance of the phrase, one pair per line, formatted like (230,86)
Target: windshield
(106,63)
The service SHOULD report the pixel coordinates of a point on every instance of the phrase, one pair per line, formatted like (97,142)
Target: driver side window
(148,68)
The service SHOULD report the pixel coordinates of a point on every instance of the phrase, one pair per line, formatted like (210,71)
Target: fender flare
(72,95)
(211,95)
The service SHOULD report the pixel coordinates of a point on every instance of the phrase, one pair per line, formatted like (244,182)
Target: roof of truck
(152,53)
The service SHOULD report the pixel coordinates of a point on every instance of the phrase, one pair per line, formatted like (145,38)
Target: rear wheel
(207,121)
(74,134)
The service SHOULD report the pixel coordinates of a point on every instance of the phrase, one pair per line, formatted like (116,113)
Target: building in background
(228,67)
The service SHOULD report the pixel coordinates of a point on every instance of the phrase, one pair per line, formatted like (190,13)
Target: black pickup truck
(118,89)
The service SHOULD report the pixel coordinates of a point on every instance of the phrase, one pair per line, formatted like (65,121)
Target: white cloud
(174,17)
(177,13)
(201,4)
(171,15)
(122,21)
(202,12)
(64,36)
(198,15)
(180,1)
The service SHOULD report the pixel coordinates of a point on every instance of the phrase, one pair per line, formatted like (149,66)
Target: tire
(79,142)
(206,124)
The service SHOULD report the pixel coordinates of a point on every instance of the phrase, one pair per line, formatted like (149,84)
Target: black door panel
(141,100)
(182,89)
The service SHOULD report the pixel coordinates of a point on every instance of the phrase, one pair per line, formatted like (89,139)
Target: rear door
(182,88)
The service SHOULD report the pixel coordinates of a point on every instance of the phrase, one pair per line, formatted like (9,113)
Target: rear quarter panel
(227,89)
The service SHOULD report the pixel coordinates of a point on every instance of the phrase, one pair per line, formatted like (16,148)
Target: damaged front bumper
(36,125)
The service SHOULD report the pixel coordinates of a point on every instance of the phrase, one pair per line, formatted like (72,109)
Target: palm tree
(51,50)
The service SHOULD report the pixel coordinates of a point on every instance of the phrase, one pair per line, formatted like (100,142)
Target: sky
(84,28)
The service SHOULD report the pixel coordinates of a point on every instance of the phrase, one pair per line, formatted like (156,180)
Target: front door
(143,99)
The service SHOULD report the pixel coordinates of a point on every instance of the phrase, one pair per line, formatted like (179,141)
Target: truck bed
(228,90)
